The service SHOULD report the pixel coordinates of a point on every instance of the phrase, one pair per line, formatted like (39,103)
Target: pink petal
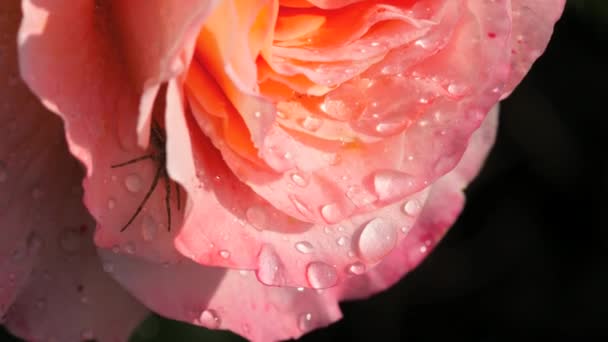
(532,28)
(444,95)
(104,86)
(231,299)
(52,282)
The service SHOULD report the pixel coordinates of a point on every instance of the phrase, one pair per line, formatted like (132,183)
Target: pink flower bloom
(299,153)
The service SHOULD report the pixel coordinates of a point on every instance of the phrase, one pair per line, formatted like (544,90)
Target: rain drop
(304,247)
(133,183)
(224,254)
(411,207)
(300,206)
(270,267)
(341,241)
(377,239)
(298,179)
(210,319)
(389,184)
(311,123)
(305,322)
(331,213)
(321,275)
(356,268)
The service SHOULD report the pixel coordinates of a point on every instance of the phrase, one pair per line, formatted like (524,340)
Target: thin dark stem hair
(159,156)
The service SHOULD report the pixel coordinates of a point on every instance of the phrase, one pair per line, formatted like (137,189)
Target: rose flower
(240,165)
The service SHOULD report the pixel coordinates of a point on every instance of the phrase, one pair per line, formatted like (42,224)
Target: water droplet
(305,322)
(359,196)
(133,183)
(224,254)
(311,123)
(3,171)
(129,247)
(111,203)
(457,89)
(300,289)
(331,213)
(299,180)
(321,275)
(210,319)
(406,229)
(149,228)
(256,216)
(70,241)
(270,268)
(300,206)
(377,239)
(356,268)
(304,247)
(412,207)
(390,128)
(341,241)
(389,184)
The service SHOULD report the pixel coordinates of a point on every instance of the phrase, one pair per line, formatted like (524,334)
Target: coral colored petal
(224,299)
(48,264)
(231,299)
(104,90)
(439,213)
(419,105)
(532,28)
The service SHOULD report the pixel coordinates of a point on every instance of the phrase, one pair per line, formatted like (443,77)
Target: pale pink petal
(233,299)
(52,283)
(104,86)
(532,28)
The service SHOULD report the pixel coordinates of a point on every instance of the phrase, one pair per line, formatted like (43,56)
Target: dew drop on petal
(356,268)
(210,319)
(298,179)
(411,207)
(224,254)
(331,213)
(300,206)
(111,203)
(304,247)
(377,239)
(270,270)
(341,241)
(390,184)
(256,216)
(133,183)
(321,275)
(311,123)
(149,228)
(305,322)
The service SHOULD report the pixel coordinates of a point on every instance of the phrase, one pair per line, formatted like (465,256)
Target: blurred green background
(509,268)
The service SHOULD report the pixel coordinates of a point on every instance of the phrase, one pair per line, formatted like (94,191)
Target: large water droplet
(331,213)
(270,268)
(210,319)
(412,207)
(133,183)
(305,322)
(389,184)
(377,239)
(149,228)
(256,216)
(70,241)
(304,247)
(321,275)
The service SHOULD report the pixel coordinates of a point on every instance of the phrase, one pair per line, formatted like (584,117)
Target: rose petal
(48,259)
(104,87)
(532,28)
(231,299)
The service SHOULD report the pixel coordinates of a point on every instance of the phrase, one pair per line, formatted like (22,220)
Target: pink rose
(298,153)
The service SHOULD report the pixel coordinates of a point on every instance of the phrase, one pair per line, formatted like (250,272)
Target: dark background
(529,255)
